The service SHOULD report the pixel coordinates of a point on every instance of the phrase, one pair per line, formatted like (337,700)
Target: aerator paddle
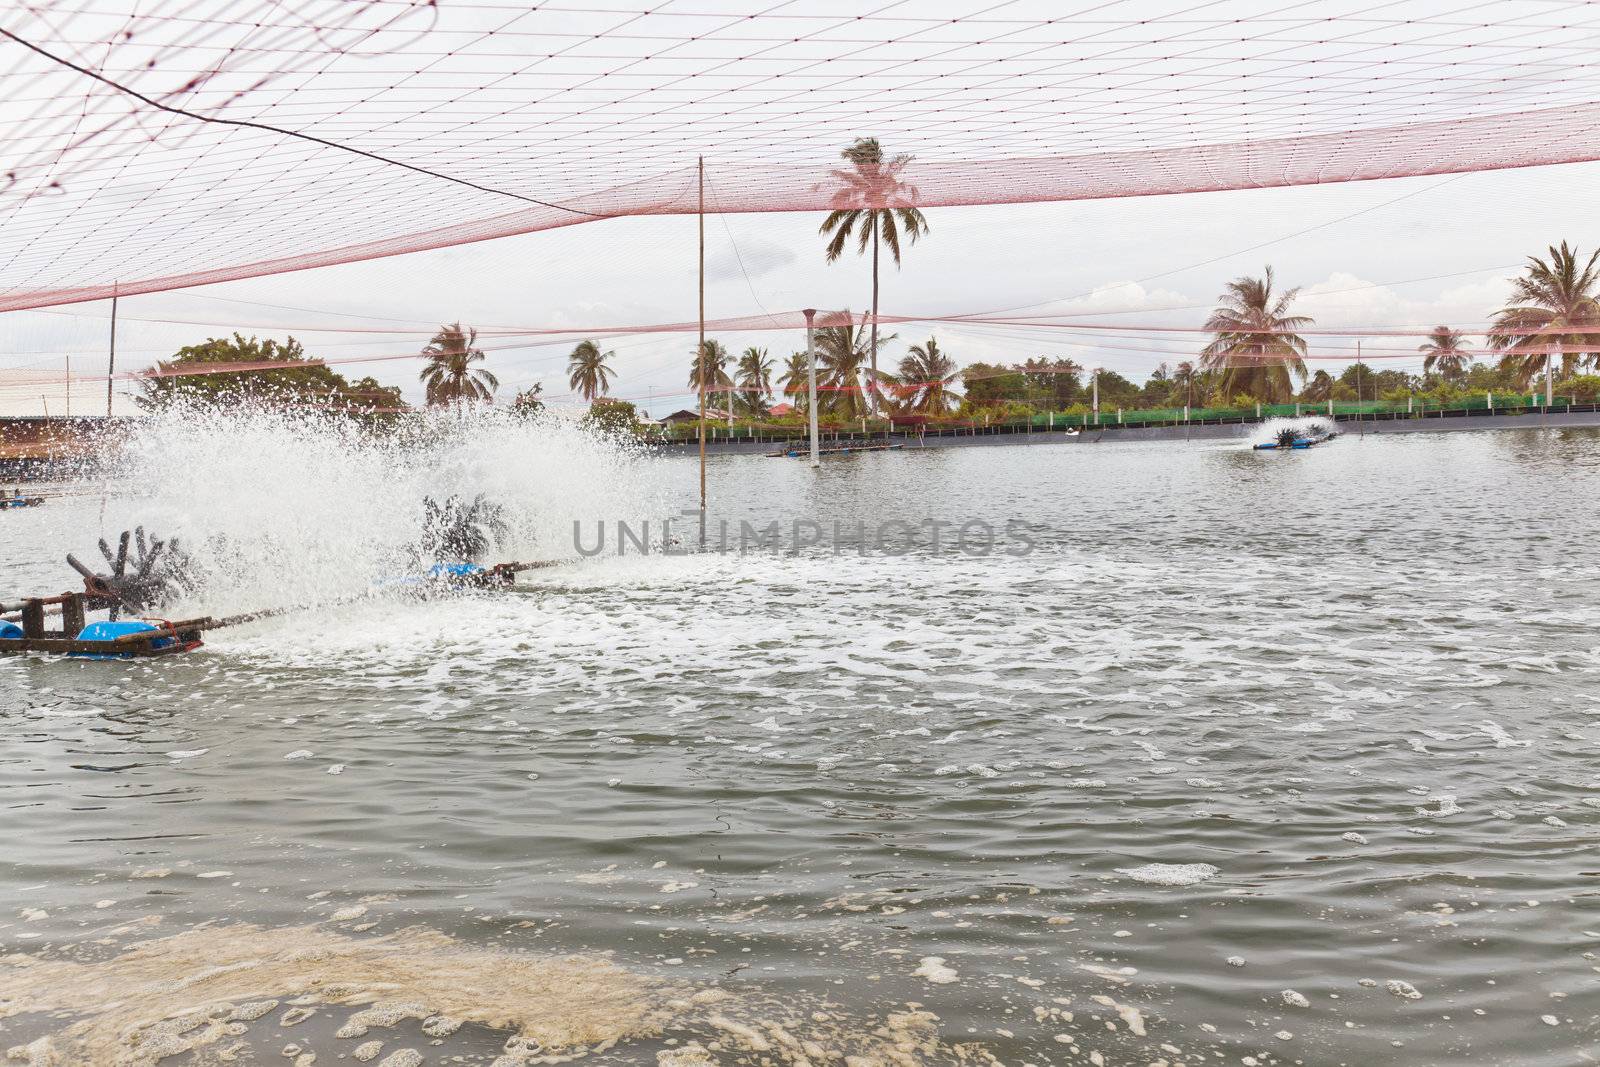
(460,532)
(150,578)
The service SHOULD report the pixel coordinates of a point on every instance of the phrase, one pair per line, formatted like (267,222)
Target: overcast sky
(1399,253)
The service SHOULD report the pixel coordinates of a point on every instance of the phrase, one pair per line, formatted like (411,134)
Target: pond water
(1211,756)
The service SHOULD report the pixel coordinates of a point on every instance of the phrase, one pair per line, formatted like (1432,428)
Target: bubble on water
(1173,874)
(933,969)
(1447,806)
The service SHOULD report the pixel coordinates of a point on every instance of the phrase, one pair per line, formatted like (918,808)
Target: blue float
(110,631)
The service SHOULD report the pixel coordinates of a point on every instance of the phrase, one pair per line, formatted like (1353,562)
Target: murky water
(1253,758)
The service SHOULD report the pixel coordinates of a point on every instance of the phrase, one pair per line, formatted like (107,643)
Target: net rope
(170,143)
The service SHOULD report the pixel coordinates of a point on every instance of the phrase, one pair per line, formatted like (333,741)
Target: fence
(1343,411)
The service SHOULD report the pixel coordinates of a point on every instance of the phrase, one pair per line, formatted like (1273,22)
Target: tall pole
(811,387)
(111,364)
(700,353)
(69,385)
(1361,426)
(1095,381)
(1549,373)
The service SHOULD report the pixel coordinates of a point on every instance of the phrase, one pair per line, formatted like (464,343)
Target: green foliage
(989,384)
(1052,384)
(293,380)
(617,417)
(1583,388)
(1116,391)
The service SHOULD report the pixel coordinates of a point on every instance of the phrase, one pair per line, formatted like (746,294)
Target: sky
(1403,253)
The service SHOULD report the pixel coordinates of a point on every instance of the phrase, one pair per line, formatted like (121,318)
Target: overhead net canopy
(156,144)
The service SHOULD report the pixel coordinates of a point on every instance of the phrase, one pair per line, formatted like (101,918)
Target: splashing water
(1305,426)
(282,507)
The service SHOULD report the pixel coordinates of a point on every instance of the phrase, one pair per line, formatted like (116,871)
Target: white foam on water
(1173,874)
(934,970)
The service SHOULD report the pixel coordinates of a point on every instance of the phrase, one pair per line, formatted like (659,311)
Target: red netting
(165,143)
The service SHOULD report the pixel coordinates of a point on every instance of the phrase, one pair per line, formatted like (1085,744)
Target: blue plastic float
(110,631)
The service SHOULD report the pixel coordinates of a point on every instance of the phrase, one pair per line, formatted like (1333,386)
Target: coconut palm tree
(1550,298)
(873,201)
(450,376)
(843,354)
(1256,349)
(1446,351)
(754,378)
(711,360)
(1185,384)
(926,375)
(795,380)
(1319,389)
(587,371)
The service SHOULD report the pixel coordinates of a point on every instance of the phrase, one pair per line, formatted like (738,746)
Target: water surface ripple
(1359,682)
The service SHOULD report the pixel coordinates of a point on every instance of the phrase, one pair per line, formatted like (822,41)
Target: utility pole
(1094,379)
(700,353)
(811,386)
(69,385)
(111,364)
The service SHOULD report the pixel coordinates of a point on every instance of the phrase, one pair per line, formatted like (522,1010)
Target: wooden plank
(62,645)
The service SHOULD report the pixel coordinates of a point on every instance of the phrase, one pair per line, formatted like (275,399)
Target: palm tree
(1185,380)
(795,381)
(754,380)
(587,371)
(843,352)
(1256,348)
(1446,351)
(450,376)
(712,359)
(1547,300)
(926,375)
(872,195)
(1319,389)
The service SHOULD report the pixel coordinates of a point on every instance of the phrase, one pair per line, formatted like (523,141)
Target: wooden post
(72,615)
(33,617)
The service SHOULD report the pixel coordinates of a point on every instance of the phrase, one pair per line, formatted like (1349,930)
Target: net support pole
(1361,425)
(1549,375)
(700,352)
(111,360)
(811,387)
